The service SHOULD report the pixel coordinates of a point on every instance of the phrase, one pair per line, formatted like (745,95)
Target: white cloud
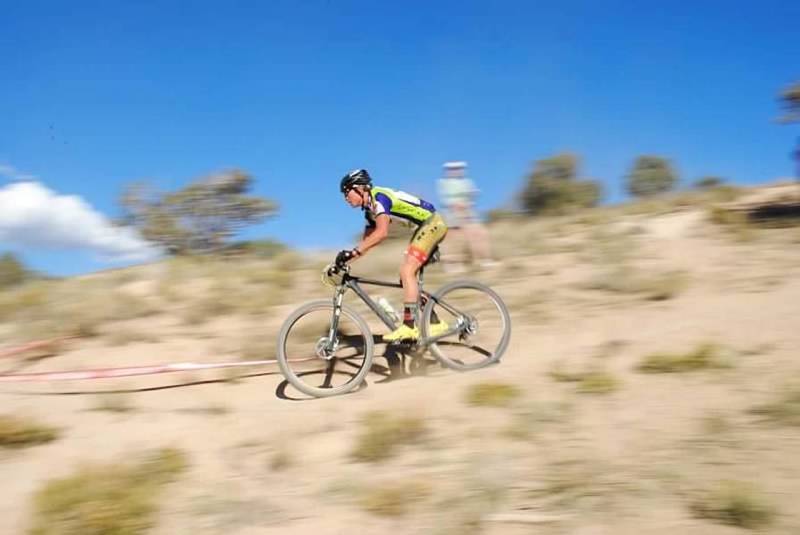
(13,173)
(33,215)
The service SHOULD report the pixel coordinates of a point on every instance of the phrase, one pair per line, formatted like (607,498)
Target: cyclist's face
(354,197)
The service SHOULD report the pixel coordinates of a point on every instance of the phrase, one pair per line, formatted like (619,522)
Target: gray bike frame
(354,283)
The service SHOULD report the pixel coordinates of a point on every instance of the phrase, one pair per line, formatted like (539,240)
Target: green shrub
(734,503)
(703,357)
(784,410)
(595,381)
(113,499)
(16,432)
(382,432)
(651,175)
(394,499)
(553,188)
(598,382)
(12,271)
(492,394)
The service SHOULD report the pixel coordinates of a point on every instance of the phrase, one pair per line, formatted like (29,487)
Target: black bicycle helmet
(356,177)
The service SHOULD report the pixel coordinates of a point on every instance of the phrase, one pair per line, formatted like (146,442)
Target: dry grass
(25,301)
(528,420)
(394,499)
(492,394)
(598,382)
(591,381)
(121,337)
(703,357)
(784,410)
(116,403)
(735,223)
(16,432)
(281,460)
(113,499)
(382,433)
(624,279)
(734,503)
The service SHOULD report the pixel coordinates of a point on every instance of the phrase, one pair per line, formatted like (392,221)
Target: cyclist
(381,206)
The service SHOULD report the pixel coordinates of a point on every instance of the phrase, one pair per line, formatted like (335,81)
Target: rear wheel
(481,322)
(319,365)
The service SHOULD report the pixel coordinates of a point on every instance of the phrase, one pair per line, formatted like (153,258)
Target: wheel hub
(325,349)
(472,326)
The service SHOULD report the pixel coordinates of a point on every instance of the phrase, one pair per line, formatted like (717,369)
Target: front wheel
(477,319)
(317,364)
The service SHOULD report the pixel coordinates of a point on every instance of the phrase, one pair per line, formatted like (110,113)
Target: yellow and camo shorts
(427,237)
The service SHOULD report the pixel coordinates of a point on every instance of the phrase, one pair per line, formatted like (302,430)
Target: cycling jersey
(398,204)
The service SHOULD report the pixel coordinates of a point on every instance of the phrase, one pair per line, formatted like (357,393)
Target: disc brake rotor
(324,349)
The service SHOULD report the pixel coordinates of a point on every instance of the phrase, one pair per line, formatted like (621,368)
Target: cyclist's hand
(344,257)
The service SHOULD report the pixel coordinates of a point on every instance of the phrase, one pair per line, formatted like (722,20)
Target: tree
(651,175)
(12,271)
(790,99)
(553,187)
(199,218)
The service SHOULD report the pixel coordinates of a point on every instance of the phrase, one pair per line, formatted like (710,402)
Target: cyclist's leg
(424,240)
(422,245)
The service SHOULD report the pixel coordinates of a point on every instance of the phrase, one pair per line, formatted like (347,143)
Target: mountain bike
(325,348)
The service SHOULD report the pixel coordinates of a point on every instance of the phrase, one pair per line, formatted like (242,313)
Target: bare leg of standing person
(478,238)
(454,253)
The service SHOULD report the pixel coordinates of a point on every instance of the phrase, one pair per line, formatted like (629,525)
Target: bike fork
(337,311)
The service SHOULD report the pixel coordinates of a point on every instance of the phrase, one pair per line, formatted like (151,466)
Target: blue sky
(94,95)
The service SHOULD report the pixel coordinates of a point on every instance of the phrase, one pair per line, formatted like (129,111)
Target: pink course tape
(107,373)
(12,351)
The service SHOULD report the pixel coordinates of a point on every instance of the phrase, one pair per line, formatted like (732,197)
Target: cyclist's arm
(374,235)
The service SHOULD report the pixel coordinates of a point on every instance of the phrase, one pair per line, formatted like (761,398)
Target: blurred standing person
(458,193)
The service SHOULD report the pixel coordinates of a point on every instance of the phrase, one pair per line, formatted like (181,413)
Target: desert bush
(18,432)
(114,499)
(382,432)
(598,382)
(552,188)
(734,503)
(492,394)
(702,357)
(393,499)
(736,223)
(12,271)
(590,381)
(784,410)
(651,175)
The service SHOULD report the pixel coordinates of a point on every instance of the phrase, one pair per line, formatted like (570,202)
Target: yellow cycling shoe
(439,328)
(404,332)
